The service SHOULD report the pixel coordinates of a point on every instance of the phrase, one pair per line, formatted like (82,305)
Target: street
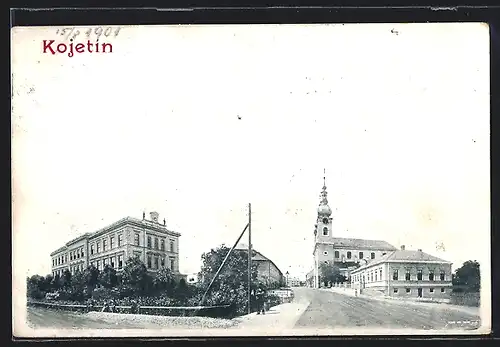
(328,310)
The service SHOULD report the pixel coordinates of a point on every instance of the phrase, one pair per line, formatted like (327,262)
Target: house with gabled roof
(405,274)
(267,271)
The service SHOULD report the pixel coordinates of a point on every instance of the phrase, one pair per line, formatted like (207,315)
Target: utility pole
(249,256)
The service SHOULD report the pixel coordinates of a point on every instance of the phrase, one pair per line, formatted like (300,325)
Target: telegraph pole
(249,256)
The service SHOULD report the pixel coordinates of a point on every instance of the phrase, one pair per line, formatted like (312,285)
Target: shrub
(105,294)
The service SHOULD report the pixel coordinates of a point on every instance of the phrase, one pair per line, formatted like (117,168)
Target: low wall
(345,291)
(222,311)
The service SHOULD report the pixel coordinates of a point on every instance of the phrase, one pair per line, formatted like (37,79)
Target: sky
(195,122)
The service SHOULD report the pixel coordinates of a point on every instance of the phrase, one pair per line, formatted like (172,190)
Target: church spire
(324,209)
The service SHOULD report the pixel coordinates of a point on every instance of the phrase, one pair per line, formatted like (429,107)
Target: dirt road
(328,309)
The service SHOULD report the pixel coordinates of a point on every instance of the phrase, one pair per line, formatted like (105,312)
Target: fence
(222,311)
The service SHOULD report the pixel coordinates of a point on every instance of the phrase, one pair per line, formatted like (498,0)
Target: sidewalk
(278,319)
(464,309)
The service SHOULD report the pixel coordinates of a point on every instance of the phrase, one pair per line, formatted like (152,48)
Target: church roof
(257,256)
(360,244)
(406,256)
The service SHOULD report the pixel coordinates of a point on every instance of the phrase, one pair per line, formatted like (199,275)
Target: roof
(360,244)
(257,256)
(406,256)
(126,220)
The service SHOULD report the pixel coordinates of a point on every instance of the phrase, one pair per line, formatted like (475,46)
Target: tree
(468,276)
(164,280)
(91,276)
(66,279)
(78,285)
(135,275)
(56,282)
(330,273)
(107,278)
(35,287)
(232,283)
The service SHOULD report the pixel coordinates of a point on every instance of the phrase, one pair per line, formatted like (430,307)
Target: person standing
(260,297)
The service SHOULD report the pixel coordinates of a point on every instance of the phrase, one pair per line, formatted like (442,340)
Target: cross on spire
(324,177)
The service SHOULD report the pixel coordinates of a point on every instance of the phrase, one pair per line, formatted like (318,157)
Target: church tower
(323,227)
(322,230)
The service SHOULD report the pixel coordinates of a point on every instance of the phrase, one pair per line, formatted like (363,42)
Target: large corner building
(150,240)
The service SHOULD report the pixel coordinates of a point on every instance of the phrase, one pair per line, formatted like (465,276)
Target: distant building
(192,278)
(114,244)
(346,253)
(294,282)
(267,271)
(407,274)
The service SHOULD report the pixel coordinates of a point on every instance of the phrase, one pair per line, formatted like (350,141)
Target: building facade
(114,244)
(405,274)
(345,253)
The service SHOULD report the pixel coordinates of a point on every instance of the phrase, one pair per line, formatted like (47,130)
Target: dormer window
(325,231)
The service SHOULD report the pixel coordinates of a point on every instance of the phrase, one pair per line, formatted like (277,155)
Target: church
(345,253)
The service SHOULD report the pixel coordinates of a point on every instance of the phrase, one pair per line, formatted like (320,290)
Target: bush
(103,294)
(273,300)
(35,293)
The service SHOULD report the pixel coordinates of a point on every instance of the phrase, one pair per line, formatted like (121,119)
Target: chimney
(402,247)
(154,216)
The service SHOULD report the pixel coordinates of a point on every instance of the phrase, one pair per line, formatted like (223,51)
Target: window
(120,240)
(337,255)
(408,290)
(66,257)
(70,257)
(157,263)
(325,252)
(376,276)
(98,265)
(431,276)
(419,275)
(172,264)
(111,242)
(162,262)
(442,290)
(104,245)
(149,241)
(92,263)
(395,290)
(149,262)
(162,244)
(380,274)
(407,275)
(120,261)
(53,262)
(92,249)
(441,276)
(112,262)
(325,231)
(384,253)
(98,246)
(156,243)
(105,261)
(360,255)
(431,290)
(395,275)
(82,252)
(348,255)
(372,255)
(171,246)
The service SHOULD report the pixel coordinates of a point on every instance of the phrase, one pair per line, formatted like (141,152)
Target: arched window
(373,255)
(325,231)
(337,255)
(348,255)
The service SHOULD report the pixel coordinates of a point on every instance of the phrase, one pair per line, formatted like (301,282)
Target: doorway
(419,292)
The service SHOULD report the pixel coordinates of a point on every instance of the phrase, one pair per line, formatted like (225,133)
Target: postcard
(251,180)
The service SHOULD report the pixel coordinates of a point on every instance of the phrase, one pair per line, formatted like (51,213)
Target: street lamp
(287,279)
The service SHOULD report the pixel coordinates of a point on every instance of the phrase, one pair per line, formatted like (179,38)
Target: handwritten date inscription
(71,33)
